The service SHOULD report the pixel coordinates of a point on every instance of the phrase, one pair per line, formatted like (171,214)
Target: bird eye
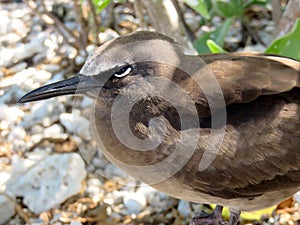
(123,71)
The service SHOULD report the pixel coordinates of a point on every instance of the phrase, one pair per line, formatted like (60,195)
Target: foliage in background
(229,10)
(288,45)
(100,4)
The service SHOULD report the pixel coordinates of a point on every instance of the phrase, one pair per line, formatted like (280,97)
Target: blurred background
(51,171)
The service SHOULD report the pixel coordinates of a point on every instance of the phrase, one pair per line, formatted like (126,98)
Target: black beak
(75,85)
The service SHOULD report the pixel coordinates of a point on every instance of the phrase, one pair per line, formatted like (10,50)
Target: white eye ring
(123,71)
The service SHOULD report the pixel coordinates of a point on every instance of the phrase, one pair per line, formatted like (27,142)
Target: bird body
(221,128)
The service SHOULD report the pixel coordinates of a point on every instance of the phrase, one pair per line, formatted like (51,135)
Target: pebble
(134,202)
(7,209)
(18,67)
(48,182)
(55,132)
(297,197)
(16,133)
(23,77)
(44,112)
(74,123)
(41,76)
(12,95)
(107,35)
(111,171)
(22,51)
(184,209)
(51,68)
(11,114)
(4,177)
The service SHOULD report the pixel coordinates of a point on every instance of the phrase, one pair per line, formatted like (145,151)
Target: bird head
(121,62)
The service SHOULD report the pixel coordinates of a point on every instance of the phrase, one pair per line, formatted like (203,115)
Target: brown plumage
(254,99)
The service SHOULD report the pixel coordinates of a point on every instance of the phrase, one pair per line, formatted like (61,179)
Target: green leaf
(199,6)
(214,47)
(100,4)
(255,2)
(220,33)
(287,45)
(229,8)
(217,36)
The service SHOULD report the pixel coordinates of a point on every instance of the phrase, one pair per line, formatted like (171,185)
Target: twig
(96,21)
(288,19)
(169,21)
(138,9)
(61,28)
(82,36)
(187,28)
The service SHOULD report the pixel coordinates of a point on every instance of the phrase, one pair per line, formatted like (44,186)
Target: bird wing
(245,76)
(261,148)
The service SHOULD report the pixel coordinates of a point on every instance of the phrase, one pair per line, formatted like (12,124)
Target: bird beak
(75,85)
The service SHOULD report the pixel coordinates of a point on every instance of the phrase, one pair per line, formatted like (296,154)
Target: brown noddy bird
(220,128)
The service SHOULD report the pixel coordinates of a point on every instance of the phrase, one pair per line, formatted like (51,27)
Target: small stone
(47,182)
(7,209)
(4,177)
(17,133)
(37,129)
(79,60)
(112,171)
(73,122)
(51,68)
(135,203)
(41,76)
(18,67)
(11,114)
(107,35)
(86,102)
(55,132)
(297,197)
(45,113)
(91,49)
(184,208)
(20,78)
(11,95)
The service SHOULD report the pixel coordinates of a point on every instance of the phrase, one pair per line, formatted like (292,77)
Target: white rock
(41,76)
(66,119)
(11,95)
(34,140)
(74,123)
(111,171)
(55,132)
(86,102)
(159,200)
(17,133)
(52,68)
(20,78)
(79,60)
(184,208)
(4,177)
(10,113)
(297,197)
(95,190)
(37,129)
(45,113)
(134,202)
(22,51)
(7,209)
(107,35)
(91,49)
(57,77)
(18,67)
(47,182)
